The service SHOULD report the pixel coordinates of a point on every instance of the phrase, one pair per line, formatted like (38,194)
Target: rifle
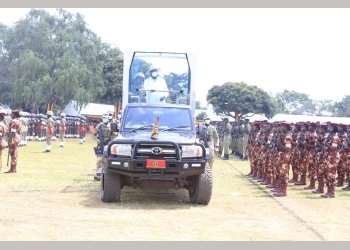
(99,149)
(11,134)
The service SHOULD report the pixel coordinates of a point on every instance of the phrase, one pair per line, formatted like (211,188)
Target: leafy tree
(241,100)
(53,59)
(201,116)
(112,75)
(291,102)
(342,108)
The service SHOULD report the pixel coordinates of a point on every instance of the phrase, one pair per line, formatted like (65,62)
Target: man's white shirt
(157,84)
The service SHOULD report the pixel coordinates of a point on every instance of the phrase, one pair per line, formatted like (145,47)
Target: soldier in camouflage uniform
(24,125)
(283,158)
(342,134)
(332,147)
(320,157)
(234,137)
(346,149)
(49,131)
(14,130)
(246,131)
(105,127)
(82,130)
(310,154)
(212,139)
(62,128)
(7,121)
(240,135)
(3,131)
(220,129)
(227,139)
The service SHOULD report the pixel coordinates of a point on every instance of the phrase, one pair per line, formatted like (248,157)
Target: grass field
(53,197)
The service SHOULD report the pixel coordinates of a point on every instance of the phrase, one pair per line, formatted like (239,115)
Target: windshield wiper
(141,128)
(174,128)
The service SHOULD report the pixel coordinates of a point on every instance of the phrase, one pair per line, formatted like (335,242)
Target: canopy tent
(71,109)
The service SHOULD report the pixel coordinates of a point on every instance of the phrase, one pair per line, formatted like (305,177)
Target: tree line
(55,58)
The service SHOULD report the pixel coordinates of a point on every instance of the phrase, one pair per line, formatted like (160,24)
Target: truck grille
(156,151)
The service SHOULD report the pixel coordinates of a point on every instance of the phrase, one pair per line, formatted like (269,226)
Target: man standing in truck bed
(153,84)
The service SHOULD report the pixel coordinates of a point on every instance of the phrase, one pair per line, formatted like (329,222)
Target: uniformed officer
(227,138)
(3,131)
(14,131)
(62,128)
(106,132)
(212,139)
(49,130)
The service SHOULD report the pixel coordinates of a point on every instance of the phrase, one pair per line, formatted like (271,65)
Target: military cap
(342,125)
(333,124)
(324,124)
(314,124)
(15,111)
(287,124)
(139,74)
(206,117)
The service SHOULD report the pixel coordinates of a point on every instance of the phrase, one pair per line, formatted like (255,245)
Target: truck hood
(163,136)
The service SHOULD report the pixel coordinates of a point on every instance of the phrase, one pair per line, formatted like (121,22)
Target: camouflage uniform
(82,130)
(227,139)
(212,139)
(246,131)
(3,131)
(14,131)
(107,136)
(332,144)
(62,128)
(284,150)
(49,131)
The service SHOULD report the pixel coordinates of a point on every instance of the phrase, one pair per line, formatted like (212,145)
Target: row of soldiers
(316,151)
(33,126)
(236,138)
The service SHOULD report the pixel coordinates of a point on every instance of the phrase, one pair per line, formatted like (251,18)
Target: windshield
(159,78)
(139,118)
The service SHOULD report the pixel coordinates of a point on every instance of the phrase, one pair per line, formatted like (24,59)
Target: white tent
(90,110)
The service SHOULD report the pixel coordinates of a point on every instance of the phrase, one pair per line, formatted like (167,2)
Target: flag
(154,134)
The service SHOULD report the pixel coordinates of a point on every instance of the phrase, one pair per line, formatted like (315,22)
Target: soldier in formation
(14,131)
(309,150)
(3,131)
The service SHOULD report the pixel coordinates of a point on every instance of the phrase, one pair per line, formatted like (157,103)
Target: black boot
(97,177)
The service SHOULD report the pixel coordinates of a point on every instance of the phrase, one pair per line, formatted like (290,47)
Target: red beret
(2,112)
(324,125)
(15,111)
(288,124)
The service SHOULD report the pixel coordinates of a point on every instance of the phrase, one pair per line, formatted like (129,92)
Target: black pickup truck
(157,146)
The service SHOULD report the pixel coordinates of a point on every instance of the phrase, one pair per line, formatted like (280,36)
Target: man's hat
(153,68)
(140,74)
(206,117)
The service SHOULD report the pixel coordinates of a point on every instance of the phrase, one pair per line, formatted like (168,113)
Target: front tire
(201,186)
(110,186)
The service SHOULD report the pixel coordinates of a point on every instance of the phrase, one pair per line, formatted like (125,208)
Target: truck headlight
(191,151)
(121,149)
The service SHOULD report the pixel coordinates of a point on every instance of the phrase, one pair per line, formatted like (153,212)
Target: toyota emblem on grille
(156,150)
